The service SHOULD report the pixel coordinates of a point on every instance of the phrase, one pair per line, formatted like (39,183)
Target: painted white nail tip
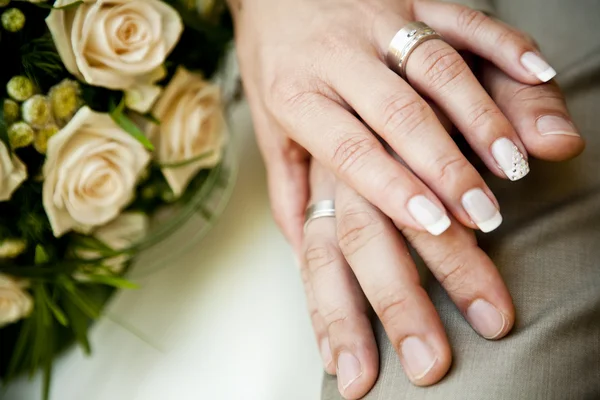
(538,66)
(428,215)
(546,75)
(490,224)
(439,227)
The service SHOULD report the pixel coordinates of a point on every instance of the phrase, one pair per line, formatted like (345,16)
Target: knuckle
(469,20)
(287,93)
(390,304)
(319,255)
(353,152)
(537,93)
(356,228)
(335,317)
(443,67)
(508,37)
(403,113)
(315,317)
(451,168)
(483,113)
(453,272)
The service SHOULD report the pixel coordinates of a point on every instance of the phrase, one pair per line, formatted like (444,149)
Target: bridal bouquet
(109,114)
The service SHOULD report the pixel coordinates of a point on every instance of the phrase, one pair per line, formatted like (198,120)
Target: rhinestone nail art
(510,160)
(520,166)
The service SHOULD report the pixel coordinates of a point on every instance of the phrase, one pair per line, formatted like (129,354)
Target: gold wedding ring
(405,42)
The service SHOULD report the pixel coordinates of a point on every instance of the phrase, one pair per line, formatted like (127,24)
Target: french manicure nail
(348,370)
(481,210)
(430,216)
(510,159)
(538,66)
(486,319)
(554,125)
(418,357)
(325,352)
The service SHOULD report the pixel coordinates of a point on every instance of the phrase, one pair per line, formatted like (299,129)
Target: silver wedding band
(320,209)
(405,42)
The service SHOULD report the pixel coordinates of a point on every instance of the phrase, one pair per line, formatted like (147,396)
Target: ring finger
(437,70)
(338,297)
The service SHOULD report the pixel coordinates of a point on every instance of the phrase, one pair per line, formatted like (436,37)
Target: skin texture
(317,85)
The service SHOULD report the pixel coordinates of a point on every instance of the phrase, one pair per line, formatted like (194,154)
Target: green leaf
(148,116)
(49,357)
(79,324)
(54,308)
(80,299)
(111,280)
(117,114)
(4,129)
(95,244)
(184,163)
(41,257)
(22,343)
(43,323)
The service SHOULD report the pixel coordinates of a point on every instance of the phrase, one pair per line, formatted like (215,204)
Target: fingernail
(430,216)
(510,159)
(418,357)
(486,319)
(538,66)
(325,352)
(553,125)
(481,210)
(348,370)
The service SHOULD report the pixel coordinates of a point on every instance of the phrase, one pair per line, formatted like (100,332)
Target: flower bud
(19,88)
(42,135)
(40,143)
(206,7)
(13,20)
(37,111)
(65,100)
(11,111)
(168,196)
(20,135)
(11,248)
(149,192)
(4,3)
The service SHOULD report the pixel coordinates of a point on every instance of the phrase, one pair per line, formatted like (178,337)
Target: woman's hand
(359,258)
(314,72)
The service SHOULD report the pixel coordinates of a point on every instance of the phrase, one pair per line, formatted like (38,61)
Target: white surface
(226,321)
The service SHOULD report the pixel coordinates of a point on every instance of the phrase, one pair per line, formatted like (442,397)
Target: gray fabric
(548,249)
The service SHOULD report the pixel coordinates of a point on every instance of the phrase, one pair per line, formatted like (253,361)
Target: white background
(226,320)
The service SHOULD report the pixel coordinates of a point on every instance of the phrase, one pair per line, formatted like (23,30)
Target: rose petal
(90,172)
(12,173)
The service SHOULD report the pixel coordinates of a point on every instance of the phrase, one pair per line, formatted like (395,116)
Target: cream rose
(15,303)
(12,173)
(123,232)
(191,124)
(117,44)
(91,170)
